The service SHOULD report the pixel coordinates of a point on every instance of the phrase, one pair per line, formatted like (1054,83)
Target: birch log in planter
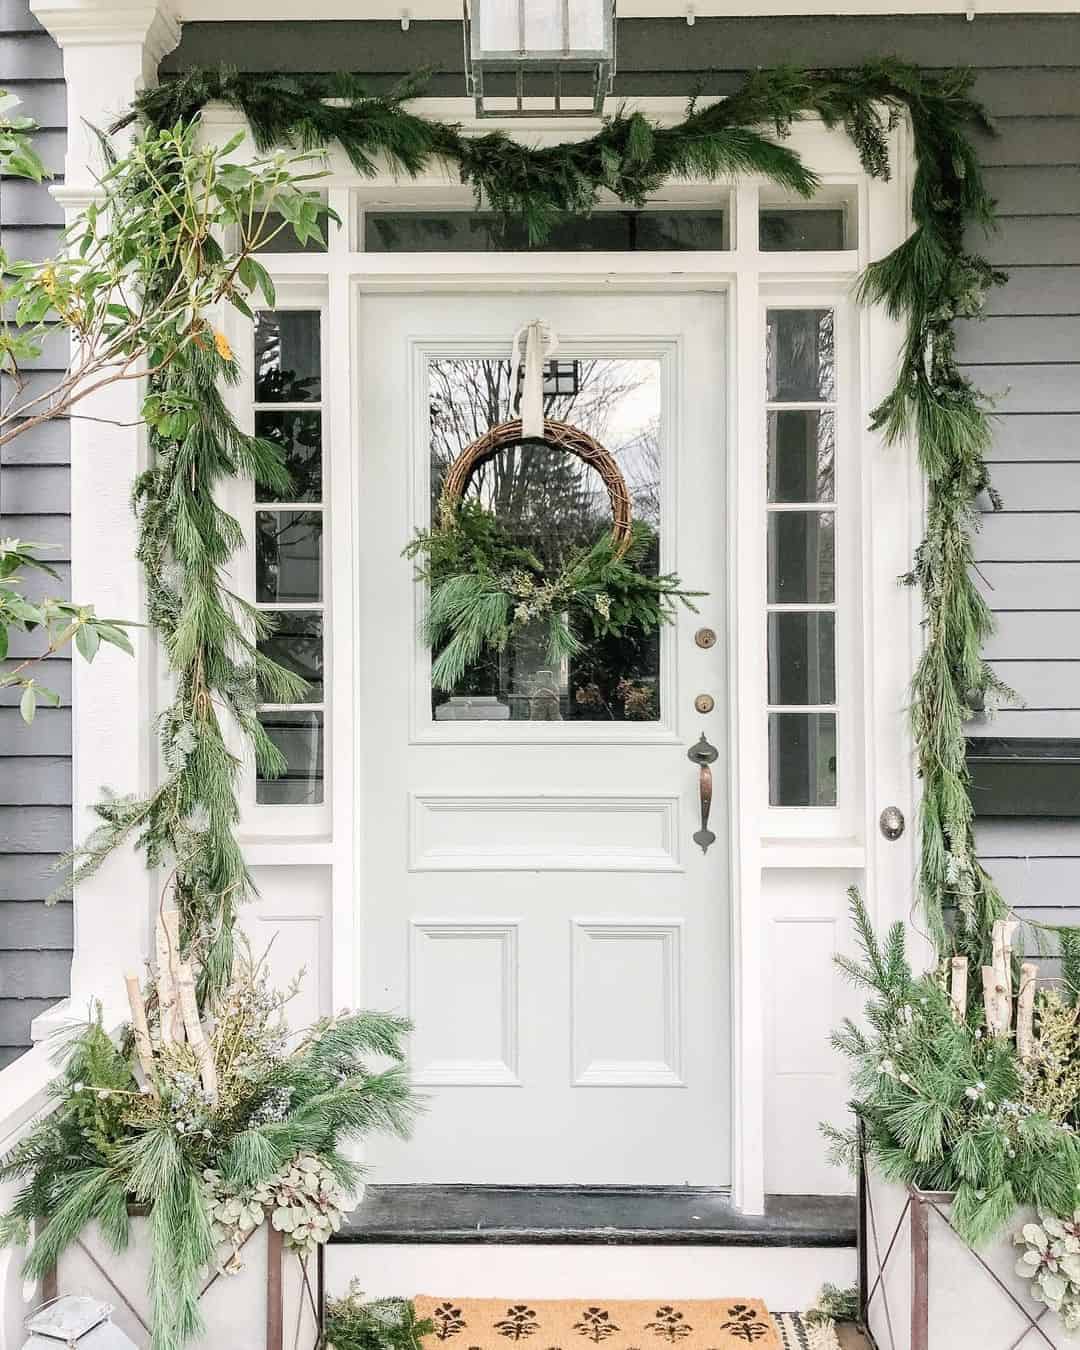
(923,1288)
(265,1306)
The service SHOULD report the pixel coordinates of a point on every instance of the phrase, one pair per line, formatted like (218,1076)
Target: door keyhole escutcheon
(703,755)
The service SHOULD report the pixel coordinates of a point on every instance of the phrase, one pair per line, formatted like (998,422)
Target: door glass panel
(801,446)
(802,759)
(288,359)
(556,506)
(298,435)
(800,356)
(800,230)
(288,556)
(802,568)
(297,644)
(299,737)
(800,363)
(802,663)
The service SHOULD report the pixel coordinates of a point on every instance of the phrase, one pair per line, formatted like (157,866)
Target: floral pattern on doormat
(616,1324)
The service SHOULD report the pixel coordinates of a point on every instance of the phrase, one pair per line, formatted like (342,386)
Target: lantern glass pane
(497,28)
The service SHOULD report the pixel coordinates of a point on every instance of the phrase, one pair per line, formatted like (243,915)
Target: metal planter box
(266,1306)
(923,1288)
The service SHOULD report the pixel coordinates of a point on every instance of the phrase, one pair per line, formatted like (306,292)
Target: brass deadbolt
(704,703)
(705,637)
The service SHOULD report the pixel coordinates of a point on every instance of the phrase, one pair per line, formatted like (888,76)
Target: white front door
(532,894)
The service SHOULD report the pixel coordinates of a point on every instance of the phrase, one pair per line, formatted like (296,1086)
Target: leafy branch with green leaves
(59,622)
(143,264)
(18,158)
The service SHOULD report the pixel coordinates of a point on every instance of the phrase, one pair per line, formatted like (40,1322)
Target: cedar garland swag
(930,280)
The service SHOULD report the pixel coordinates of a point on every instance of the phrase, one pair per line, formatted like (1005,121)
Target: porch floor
(591,1214)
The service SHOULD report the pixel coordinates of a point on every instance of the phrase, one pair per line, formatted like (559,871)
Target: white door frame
(891,507)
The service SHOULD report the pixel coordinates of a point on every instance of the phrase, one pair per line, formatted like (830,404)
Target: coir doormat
(565,1324)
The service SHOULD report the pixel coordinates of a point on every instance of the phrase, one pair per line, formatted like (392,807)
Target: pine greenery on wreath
(485,586)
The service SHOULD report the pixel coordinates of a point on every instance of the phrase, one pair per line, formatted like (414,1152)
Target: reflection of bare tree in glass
(288,551)
(297,644)
(555,505)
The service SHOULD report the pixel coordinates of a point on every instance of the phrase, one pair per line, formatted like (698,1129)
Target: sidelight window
(289,562)
(801,418)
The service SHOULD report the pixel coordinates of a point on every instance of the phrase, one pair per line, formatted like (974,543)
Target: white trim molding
(111,51)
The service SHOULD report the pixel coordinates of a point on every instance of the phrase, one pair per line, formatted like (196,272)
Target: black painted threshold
(649,1215)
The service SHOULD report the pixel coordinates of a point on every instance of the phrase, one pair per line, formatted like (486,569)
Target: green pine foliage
(484,587)
(941,1104)
(112,1141)
(379,1324)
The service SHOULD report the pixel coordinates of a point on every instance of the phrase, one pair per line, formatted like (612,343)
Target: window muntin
(801,548)
(555,505)
(289,554)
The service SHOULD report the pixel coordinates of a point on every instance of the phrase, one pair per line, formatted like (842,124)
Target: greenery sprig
(484,588)
(928,282)
(377,1324)
(946,1105)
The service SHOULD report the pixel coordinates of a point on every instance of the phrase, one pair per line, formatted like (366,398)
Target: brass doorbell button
(704,703)
(705,637)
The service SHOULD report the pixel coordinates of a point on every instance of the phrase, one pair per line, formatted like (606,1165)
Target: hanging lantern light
(529,58)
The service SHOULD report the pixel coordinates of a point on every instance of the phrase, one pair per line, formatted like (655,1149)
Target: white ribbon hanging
(540,343)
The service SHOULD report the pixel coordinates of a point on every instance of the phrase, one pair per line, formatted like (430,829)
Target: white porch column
(111,51)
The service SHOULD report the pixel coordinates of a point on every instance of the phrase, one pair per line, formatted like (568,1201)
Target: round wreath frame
(559,436)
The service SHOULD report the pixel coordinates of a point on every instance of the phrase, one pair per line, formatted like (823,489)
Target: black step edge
(552,1215)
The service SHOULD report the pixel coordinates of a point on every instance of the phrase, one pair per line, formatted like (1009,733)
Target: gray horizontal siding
(1036,864)
(714,48)
(35,763)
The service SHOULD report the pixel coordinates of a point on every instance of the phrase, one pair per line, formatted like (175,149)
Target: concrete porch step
(592,1242)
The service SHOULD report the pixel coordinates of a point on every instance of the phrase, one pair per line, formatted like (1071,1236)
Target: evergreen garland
(929,281)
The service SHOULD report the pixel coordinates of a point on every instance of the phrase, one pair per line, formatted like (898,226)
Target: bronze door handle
(703,754)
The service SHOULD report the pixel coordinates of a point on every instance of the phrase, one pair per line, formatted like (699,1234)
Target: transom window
(603,232)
